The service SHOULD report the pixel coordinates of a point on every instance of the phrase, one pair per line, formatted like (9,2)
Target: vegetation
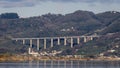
(9,16)
(77,23)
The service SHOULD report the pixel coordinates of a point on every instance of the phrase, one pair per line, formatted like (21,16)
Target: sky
(29,8)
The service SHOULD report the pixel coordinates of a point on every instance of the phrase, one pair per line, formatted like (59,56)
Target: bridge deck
(55,37)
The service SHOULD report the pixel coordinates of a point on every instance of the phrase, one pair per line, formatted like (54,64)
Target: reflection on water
(63,64)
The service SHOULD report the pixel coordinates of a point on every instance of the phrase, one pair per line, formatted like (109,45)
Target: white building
(31,52)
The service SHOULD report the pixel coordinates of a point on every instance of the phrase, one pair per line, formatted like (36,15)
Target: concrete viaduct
(85,39)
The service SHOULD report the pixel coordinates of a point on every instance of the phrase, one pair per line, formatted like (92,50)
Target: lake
(62,64)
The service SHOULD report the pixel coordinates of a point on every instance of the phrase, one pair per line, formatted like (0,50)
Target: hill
(76,23)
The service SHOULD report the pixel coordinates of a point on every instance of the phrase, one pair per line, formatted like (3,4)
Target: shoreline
(19,58)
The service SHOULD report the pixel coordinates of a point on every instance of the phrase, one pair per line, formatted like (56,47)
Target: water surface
(62,64)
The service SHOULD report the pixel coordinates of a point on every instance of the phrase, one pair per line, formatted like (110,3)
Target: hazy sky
(27,8)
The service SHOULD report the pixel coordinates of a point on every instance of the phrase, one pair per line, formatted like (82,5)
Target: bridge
(85,39)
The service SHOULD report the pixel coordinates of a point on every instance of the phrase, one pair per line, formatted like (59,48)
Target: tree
(9,16)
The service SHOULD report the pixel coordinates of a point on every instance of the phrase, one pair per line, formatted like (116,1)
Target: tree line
(9,16)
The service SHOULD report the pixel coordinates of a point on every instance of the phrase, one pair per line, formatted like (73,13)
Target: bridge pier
(44,43)
(38,44)
(78,40)
(85,39)
(91,38)
(23,41)
(30,43)
(51,42)
(65,41)
(71,42)
(58,41)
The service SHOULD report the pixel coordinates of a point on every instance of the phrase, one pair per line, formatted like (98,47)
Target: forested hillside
(76,23)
